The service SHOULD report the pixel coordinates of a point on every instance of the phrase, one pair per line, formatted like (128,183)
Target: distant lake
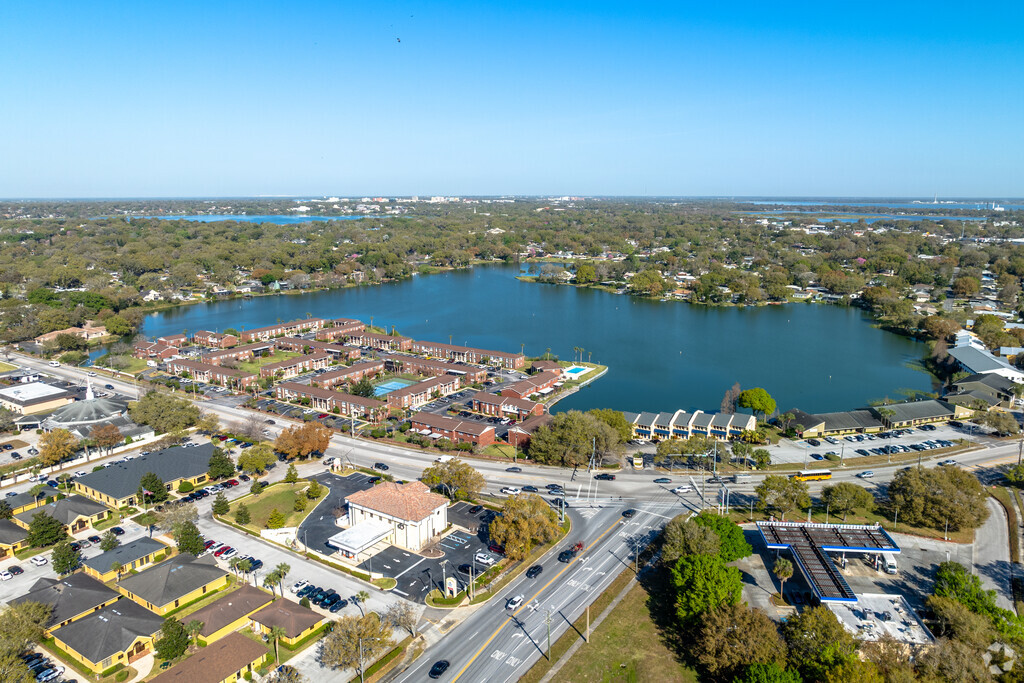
(662,356)
(245,218)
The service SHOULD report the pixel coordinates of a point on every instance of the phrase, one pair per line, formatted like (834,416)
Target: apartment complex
(468,354)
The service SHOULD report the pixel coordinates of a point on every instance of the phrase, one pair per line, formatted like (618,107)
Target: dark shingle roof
(121,480)
(111,630)
(66,510)
(170,580)
(69,597)
(11,533)
(919,410)
(231,607)
(291,616)
(124,554)
(219,660)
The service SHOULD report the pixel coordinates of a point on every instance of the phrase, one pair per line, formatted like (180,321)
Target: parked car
(475,509)
(298,585)
(338,606)
(95,540)
(5,575)
(16,570)
(484,559)
(222,550)
(117,531)
(38,560)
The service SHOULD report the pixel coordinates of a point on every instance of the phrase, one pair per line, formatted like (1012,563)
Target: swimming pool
(576,370)
(391,385)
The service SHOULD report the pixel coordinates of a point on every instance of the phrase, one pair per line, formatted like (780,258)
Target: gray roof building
(11,533)
(111,630)
(849,420)
(69,597)
(980,360)
(124,555)
(120,480)
(65,510)
(918,410)
(172,579)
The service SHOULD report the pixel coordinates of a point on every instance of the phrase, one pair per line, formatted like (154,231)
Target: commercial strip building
(296,366)
(407,515)
(682,424)
(975,360)
(468,354)
(876,418)
(454,429)
(211,374)
(230,612)
(297,621)
(283,329)
(989,388)
(352,373)
(34,397)
(505,406)
(424,392)
(369,409)
(117,484)
(431,367)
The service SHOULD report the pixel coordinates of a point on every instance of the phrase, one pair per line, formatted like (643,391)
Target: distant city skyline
(739,99)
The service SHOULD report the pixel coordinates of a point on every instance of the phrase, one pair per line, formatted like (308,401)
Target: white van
(890,564)
(443,458)
(741,478)
(54,364)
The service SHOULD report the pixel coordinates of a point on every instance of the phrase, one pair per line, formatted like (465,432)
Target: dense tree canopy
(163,412)
(933,496)
(570,439)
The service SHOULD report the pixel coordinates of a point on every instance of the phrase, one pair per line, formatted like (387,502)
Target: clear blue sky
(676,98)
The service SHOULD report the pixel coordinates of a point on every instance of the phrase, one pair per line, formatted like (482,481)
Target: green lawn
(255,364)
(7,367)
(281,496)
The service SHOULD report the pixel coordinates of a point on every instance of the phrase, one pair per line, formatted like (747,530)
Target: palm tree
(193,628)
(281,570)
(359,598)
(276,633)
(271,580)
(783,569)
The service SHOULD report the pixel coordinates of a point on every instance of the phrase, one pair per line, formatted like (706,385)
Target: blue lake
(661,356)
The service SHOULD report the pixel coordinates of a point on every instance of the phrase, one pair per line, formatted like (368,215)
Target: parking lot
(800,451)
(418,575)
(319,525)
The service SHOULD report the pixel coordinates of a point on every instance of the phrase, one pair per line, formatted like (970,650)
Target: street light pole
(361,680)
(547,620)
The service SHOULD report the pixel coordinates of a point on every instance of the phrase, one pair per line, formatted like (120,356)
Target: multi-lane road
(494,643)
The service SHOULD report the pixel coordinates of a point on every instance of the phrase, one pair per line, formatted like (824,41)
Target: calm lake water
(662,356)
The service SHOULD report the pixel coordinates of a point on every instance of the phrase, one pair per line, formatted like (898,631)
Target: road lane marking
(409,567)
(534,597)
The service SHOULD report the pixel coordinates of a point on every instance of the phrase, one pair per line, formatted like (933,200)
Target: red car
(495,548)
(221,551)
(206,546)
(322,416)
(233,482)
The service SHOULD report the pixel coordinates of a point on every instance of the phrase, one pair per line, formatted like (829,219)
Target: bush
(300,504)
(832,457)
(186,487)
(304,602)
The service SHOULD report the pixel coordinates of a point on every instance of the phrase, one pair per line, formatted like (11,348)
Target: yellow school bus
(812,475)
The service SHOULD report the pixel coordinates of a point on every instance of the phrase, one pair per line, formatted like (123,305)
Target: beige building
(407,515)
(35,397)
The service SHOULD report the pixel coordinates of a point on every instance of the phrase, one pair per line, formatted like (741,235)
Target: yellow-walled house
(296,620)
(117,484)
(230,612)
(132,555)
(224,661)
(12,538)
(76,513)
(172,583)
(71,598)
(119,633)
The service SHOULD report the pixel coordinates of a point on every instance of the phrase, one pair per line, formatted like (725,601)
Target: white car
(514,603)
(91,373)
(80,473)
(229,554)
(685,488)
(298,585)
(866,474)
(38,560)
(484,559)
(6,575)
(511,490)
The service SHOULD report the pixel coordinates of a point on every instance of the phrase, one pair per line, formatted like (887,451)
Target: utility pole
(587,639)
(361,680)
(547,620)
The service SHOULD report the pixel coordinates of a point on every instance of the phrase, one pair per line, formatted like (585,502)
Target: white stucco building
(408,515)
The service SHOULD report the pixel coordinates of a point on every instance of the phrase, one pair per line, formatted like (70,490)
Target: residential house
(13,538)
(133,555)
(224,661)
(682,424)
(469,354)
(175,582)
(119,633)
(297,621)
(454,429)
(230,612)
(407,515)
(117,484)
(87,331)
